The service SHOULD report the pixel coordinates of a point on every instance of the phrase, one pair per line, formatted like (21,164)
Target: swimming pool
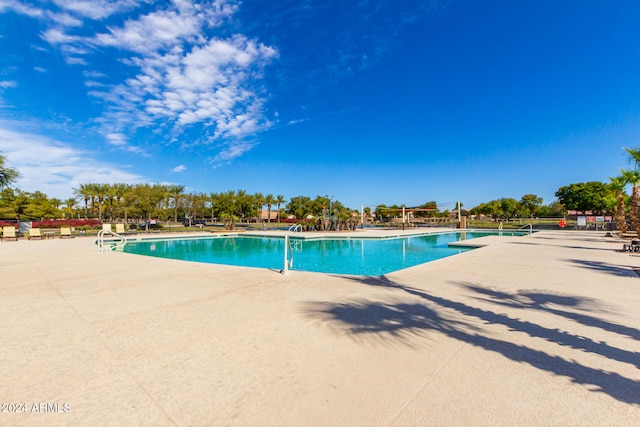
(352,256)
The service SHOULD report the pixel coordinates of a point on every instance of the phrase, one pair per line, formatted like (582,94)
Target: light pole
(330,200)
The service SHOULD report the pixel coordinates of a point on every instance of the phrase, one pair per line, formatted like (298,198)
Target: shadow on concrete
(402,321)
(590,248)
(604,267)
(544,302)
(382,322)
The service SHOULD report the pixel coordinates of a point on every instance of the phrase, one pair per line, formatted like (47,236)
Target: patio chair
(34,233)
(120,229)
(66,232)
(106,227)
(634,246)
(9,232)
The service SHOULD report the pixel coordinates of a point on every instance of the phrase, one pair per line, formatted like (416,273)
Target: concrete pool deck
(538,330)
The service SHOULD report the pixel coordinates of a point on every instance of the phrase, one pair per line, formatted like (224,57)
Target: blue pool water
(368,257)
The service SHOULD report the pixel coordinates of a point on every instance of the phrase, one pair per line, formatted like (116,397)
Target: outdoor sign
(599,219)
(582,221)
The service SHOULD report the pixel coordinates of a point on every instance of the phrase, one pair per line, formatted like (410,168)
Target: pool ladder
(295,228)
(112,244)
(529,226)
(288,255)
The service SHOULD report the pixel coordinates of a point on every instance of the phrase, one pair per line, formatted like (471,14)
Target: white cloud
(210,83)
(20,8)
(231,151)
(179,168)
(8,83)
(182,74)
(97,9)
(151,32)
(55,168)
(65,20)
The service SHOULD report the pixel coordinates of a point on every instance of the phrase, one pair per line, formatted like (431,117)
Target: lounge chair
(634,246)
(34,233)
(106,227)
(120,229)
(66,232)
(9,232)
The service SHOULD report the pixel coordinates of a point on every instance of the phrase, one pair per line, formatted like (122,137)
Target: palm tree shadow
(545,302)
(404,322)
(383,322)
(618,270)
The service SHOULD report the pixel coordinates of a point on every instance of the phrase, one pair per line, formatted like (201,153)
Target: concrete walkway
(540,330)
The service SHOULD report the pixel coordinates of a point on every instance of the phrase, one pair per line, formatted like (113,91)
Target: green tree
(145,200)
(582,197)
(491,209)
(7,175)
(40,207)
(299,206)
(552,210)
(381,212)
(226,208)
(433,210)
(9,203)
(530,204)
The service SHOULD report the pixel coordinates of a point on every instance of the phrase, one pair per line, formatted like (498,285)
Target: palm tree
(279,200)
(634,157)
(84,191)
(119,192)
(633,177)
(617,185)
(92,192)
(269,200)
(69,203)
(176,191)
(100,192)
(111,196)
(259,201)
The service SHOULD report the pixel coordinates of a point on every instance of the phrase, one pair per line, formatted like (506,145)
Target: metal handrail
(288,258)
(530,228)
(110,248)
(295,228)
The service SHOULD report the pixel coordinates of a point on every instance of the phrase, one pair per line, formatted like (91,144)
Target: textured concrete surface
(540,330)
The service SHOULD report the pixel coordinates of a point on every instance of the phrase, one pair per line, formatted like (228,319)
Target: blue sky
(366,101)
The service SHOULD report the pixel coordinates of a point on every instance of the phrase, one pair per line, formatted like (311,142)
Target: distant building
(264,215)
